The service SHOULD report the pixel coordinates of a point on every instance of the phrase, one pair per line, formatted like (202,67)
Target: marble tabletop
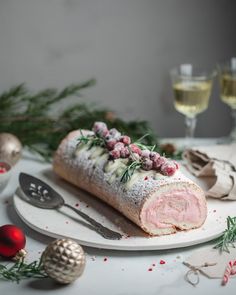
(107,271)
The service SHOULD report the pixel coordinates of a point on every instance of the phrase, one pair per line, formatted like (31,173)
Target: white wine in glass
(192,89)
(227,75)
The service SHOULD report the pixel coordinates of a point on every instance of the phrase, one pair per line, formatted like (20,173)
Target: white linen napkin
(218,161)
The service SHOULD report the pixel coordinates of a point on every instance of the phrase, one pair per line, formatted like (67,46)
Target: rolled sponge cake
(158,204)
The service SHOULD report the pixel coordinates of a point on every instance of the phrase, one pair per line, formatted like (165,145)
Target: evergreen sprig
(134,163)
(92,140)
(129,171)
(29,116)
(228,238)
(21,270)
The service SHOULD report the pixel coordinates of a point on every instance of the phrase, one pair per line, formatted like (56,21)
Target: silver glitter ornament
(10,148)
(64,260)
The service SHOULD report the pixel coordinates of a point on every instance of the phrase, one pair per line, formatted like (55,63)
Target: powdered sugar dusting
(89,167)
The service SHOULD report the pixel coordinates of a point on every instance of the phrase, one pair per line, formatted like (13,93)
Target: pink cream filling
(178,206)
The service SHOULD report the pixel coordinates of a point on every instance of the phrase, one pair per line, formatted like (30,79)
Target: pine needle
(21,270)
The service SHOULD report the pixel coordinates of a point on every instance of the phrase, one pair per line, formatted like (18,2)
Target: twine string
(193,280)
(192,275)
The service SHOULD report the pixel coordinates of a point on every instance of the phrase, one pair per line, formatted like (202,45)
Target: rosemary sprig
(145,147)
(135,164)
(140,139)
(140,144)
(21,270)
(228,238)
(84,138)
(129,171)
(92,140)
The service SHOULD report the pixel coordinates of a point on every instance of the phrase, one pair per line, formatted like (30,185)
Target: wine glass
(227,74)
(192,88)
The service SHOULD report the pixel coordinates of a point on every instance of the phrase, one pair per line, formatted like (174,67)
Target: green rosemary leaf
(228,238)
(84,139)
(92,140)
(129,171)
(145,147)
(139,140)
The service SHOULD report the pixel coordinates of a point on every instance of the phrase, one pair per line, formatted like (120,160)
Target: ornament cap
(20,255)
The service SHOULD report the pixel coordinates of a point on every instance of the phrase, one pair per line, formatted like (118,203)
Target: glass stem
(233,132)
(190,125)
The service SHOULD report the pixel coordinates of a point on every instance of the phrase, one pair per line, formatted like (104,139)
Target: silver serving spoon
(40,194)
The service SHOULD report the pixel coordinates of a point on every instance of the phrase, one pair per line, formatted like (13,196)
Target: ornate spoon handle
(99,228)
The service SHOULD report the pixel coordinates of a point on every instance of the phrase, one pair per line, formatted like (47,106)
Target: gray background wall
(127,45)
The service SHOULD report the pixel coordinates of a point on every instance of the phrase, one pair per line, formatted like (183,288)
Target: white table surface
(123,273)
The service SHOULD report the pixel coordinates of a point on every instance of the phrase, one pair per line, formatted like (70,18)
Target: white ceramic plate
(66,223)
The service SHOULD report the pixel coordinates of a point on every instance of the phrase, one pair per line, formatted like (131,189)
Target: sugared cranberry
(114,154)
(124,153)
(135,149)
(154,156)
(145,153)
(125,139)
(146,164)
(100,128)
(114,133)
(158,162)
(119,146)
(168,168)
(104,133)
(110,144)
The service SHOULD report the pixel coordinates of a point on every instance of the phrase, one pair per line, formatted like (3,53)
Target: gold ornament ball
(10,148)
(64,260)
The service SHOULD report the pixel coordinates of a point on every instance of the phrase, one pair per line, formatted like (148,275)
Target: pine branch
(21,270)
(28,116)
(228,238)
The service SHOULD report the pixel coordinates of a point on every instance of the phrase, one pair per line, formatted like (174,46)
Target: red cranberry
(124,153)
(114,154)
(158,162)
(119,146)
(145,153)
(168,168)
(147,164)
(125,139)
(154,156)
(100,128)
(135,149)
(110,144)
(114,133)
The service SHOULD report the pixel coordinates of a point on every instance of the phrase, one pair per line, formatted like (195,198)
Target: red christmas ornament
(12,240)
